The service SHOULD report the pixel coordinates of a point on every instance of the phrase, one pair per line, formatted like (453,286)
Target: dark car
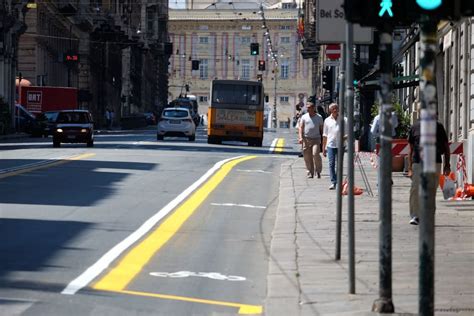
(74,126)
(47,122)
(150,118)
(26,122)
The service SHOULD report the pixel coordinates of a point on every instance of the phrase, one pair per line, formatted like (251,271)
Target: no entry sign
(333,51)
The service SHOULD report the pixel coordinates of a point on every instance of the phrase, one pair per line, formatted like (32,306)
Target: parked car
(150,118)
(26,122)
(74,126)
(176,122)
(47,122)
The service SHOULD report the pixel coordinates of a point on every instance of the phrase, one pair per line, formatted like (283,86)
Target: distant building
(219,35)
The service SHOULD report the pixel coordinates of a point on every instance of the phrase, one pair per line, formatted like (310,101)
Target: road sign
(333,51)
(332,63)
(331,25)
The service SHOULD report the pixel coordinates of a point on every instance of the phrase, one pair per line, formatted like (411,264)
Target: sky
(176,4)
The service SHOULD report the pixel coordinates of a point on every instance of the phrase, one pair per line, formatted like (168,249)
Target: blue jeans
(332,157)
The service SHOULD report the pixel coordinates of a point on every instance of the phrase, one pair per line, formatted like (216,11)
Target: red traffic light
(261,65)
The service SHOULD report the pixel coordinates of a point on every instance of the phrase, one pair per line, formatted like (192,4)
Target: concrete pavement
(304,278)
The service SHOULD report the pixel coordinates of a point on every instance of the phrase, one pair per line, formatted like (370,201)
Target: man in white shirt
(330,141)
(310,131)
(375,128)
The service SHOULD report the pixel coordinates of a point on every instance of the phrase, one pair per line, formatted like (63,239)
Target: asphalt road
(134,226)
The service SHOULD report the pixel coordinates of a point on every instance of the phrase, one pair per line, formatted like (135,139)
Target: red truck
(42,99)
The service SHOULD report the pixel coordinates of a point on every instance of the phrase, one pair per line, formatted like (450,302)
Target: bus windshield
(236,94)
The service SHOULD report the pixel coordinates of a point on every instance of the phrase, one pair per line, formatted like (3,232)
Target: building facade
(118,46)
(219,37)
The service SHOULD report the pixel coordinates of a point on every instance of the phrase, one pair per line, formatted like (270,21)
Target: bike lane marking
(41,165)
(117,279)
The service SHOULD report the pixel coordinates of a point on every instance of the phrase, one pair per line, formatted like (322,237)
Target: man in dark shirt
(415,160)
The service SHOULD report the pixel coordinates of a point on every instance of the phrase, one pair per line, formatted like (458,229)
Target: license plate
(71,137)
(175,121)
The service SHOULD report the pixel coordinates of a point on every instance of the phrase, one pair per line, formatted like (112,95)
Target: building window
(364,53)
(285,27)
(284,99)
(203,40)
(245,40)
(203,98)
(285,40)
(288,5)
(284,70)
(245,68)
(203,69)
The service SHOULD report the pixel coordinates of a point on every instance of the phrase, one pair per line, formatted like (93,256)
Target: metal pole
(275,100)
(350,153)
(428,174)
(340,156)
(384,303)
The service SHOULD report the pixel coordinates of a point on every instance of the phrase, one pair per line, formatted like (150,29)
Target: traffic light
(195,65)
(327,79)
(261,65)
(254,49)
(403,12)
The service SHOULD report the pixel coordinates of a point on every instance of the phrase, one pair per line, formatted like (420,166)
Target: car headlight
(84,130)
(59,130)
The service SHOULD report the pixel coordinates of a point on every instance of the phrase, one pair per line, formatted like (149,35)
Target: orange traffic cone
(468,190)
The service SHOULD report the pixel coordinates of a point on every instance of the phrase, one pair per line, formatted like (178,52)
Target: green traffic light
(429,4)
(355,82)
(386,7)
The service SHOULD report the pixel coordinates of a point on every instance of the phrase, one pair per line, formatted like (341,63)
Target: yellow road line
(243,308)
(46,165)
(279,145)
(132,263)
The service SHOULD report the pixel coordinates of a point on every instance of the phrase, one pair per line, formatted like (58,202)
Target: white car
(176,122)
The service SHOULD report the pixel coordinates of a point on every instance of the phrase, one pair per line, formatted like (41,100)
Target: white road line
(103,263)
(239,205)
(253,171)
(272,146)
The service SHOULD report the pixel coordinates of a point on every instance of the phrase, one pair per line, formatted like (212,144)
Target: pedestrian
(310,136)
(112,118)
(331,141)
(107,118)
(415,162)
(375,127)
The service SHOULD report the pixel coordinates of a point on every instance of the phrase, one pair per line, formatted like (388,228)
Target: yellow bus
(236,112)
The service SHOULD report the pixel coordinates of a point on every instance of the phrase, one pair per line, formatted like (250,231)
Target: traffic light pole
(340,156)
(384,303)
(350,153)
(274,118)
(428,174)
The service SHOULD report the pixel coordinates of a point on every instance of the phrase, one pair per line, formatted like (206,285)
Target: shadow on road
(96,181)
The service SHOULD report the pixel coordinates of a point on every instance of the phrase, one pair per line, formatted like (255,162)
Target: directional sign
(331,25)
(333,51)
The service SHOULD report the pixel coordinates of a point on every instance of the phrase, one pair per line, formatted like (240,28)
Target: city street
(136,226)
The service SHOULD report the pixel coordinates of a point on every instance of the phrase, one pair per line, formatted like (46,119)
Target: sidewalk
(304,278)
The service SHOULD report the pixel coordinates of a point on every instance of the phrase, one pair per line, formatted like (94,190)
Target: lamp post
(274,119)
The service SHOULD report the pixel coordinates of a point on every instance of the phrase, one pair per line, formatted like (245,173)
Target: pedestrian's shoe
(300,155)
(319,175)
(414,220)
(332,187)
(309,175)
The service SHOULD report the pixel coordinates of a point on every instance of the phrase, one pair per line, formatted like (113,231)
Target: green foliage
(403,116)
(403,128)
